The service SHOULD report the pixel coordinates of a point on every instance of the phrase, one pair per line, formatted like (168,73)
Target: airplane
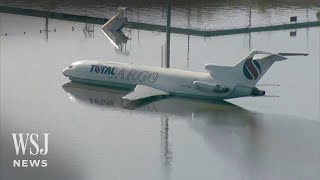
(218,83)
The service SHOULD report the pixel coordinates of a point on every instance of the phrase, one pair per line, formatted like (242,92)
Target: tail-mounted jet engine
(257,92)
(208,87)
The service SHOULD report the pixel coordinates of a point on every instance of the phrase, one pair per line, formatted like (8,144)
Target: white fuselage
(173,81)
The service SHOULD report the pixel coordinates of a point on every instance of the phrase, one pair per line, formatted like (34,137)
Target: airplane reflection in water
(112,98)
(257,145)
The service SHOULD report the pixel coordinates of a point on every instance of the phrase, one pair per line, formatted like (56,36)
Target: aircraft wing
(142,91)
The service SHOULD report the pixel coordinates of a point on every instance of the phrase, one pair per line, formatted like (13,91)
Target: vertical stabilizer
(251,69)
(248,71)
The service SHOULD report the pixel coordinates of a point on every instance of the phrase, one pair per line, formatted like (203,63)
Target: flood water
(95,134)
(202,14)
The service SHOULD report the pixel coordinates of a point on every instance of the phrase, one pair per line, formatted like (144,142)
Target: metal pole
(0,72)
(168,33)
(46,29)
(188,46)
(166,154)
(250,21)
(1,135)
(250,13)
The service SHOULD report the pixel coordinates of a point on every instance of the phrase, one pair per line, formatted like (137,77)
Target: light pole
(168,28)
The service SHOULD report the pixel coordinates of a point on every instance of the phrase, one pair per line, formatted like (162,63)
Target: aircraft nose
(66,71)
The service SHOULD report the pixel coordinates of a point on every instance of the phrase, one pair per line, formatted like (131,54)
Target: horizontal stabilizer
(267,85)
(141,92)
(293,54)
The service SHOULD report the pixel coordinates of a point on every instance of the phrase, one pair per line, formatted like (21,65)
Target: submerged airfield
(96,134)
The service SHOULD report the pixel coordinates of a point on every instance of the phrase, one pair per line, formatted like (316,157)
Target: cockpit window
(70,67)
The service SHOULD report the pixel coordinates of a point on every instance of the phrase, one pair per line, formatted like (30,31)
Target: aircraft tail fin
(249,70)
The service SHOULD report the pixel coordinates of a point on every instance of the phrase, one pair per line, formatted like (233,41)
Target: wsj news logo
(27,144)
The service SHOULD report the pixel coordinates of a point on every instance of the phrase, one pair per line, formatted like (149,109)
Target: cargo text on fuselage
(125,74)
